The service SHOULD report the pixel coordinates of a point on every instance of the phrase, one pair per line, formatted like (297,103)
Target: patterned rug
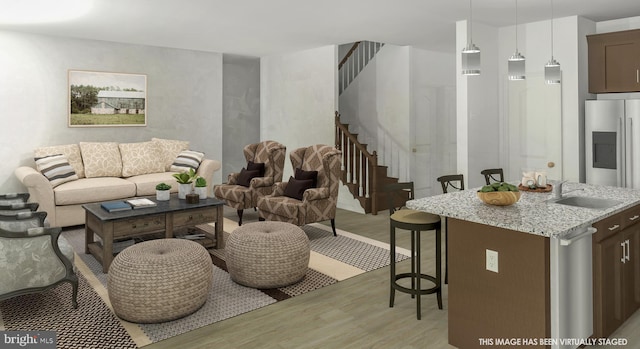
(93,324)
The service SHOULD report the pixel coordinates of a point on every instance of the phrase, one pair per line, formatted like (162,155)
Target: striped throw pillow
(187,159)
(56,168)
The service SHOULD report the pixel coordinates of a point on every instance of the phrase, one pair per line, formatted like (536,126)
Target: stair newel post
(352,149)
(336,141)
(357,168)
(365,176)
(373,187)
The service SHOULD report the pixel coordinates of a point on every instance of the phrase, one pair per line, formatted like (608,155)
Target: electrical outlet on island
(492,261)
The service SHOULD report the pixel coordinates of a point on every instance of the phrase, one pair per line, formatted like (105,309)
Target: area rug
(93,324)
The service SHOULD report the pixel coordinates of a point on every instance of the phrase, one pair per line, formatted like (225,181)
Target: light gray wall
(241,110)
(298,99)
(184,97)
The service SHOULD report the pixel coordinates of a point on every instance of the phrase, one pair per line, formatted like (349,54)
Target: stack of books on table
(137,203)
(115,206)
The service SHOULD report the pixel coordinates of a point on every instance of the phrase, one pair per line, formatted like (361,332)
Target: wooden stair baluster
(361,172)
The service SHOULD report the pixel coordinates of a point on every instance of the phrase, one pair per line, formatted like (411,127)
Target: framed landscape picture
(100,99)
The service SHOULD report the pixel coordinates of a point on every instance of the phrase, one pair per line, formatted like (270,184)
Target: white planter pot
(163,195)
(201,191)
(183,190)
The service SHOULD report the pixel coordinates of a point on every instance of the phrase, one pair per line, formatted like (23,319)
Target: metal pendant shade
(552,74)
(471,60)
(471,53)
(516,67)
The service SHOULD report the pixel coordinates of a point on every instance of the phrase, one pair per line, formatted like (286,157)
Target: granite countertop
(532,213)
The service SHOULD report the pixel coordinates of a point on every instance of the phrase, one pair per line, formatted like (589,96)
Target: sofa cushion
(186,160)
(71,151)
(140,158)
(86,190)
(56,168)
(146,184)
(169,150)
(101,159)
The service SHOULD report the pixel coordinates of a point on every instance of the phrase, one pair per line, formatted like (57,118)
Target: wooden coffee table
(164,218)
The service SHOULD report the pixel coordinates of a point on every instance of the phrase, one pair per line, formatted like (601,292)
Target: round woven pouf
(159,280)
(267,254)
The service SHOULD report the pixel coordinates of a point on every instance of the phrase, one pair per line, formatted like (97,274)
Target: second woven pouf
(267,254)
(159,280)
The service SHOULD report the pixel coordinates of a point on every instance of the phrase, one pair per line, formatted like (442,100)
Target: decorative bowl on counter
(499,198)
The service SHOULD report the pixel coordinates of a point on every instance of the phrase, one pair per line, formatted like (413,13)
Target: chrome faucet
(557,190)
(557,193)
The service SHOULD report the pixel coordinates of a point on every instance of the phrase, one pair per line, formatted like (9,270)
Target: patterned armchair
(13,198)
(18,207)
(32,258)
(269,153)
(318,203)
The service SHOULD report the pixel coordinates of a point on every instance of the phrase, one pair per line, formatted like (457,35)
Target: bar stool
(456,182)
(493,174)
(416,222)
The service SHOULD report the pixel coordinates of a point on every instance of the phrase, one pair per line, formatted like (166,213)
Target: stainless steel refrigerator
(612,142)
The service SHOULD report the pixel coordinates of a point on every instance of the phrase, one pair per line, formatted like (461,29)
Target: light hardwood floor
(353,313)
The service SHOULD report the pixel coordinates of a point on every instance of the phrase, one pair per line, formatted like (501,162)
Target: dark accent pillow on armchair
(303,175)
(256,166)
(245,176)
(295,188)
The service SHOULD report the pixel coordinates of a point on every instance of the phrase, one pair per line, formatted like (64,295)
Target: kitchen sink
(587,202)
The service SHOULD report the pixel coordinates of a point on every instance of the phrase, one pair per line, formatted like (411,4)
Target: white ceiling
(266,27)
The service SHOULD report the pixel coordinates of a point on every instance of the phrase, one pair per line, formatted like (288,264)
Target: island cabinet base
(488,308)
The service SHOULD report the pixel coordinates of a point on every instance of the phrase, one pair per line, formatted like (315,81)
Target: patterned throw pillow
(169,149)
(140,158)
(56,168)
(101,159)
(71,151)
(187,159)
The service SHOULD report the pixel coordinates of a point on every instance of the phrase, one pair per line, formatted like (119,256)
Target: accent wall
(184,97)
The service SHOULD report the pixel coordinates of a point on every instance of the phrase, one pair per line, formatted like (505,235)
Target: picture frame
(106,99)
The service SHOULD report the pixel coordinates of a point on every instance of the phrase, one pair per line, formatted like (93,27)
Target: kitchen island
(541,294)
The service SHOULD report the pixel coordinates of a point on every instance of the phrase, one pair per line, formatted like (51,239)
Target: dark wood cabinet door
(631,279)
(614,62)
(608,273)
(620,66)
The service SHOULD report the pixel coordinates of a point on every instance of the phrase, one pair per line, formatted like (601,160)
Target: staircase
(361,172)
(355,60)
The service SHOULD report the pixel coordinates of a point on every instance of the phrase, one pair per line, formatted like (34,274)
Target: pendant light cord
(516,26)
(470,24)
(551,29)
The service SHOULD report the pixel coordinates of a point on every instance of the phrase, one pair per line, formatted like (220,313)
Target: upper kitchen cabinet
(614,62)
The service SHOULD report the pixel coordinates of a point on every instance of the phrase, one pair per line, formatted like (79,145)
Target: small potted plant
(184,179)
(162,192)
(201,187)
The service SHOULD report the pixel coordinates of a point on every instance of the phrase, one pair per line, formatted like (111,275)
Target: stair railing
(355,60)
(360,166)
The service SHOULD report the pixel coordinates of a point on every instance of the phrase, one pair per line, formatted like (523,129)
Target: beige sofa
(65,177)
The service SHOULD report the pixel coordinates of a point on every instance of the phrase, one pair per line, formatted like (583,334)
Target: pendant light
(516,68)
(552,68)
(471,53)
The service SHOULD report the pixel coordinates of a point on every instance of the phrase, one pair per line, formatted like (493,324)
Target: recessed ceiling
(259,27)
